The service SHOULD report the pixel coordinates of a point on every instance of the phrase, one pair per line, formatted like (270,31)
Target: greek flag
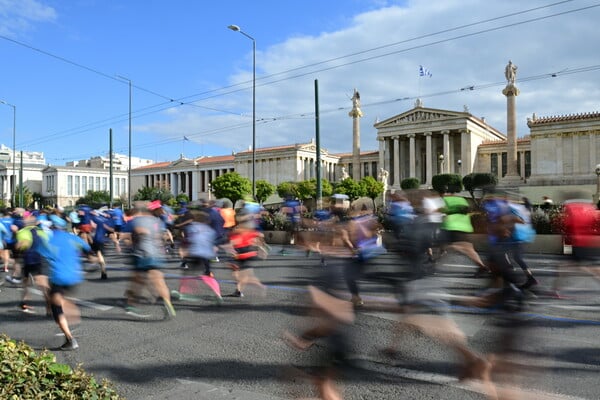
(424,71)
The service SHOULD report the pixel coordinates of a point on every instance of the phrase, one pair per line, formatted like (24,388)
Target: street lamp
(236,28)
(441,158)
(14,155)
(129,147)
(459,162)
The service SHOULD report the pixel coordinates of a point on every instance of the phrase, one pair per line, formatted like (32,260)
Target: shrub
(25,374)
(410,183)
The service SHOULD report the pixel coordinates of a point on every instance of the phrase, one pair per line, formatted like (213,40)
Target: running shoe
(175,295)
(134,312)
(13,280)
(237,293)
(219,300)
(27,309)
(169,308)
(103,276)
(357,301)
(70,344)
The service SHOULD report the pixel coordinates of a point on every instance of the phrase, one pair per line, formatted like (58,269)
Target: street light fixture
(129,147)
(14,155)
(236,28)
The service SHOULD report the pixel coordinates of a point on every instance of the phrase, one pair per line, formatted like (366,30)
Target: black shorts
(34,269)
(196,264)
(118,228)
(61,289)
(97,247)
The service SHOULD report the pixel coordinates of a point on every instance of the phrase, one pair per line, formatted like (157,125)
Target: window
(504,163)
(527,164)
(98,183)
(77,180)
(91,183)
(84,185)
(104,183)
(374,172)
(123,188)
(116,187)
(69,185)
(494,164)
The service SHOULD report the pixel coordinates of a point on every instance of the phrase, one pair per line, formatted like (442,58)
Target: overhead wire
(229,89)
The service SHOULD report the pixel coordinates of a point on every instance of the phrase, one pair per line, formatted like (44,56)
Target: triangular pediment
(311,147)
(420,114)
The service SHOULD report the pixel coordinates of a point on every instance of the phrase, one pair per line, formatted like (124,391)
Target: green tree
(147,193)
(479,181)
(443,183)
(27,196)
(182,198)
(350,188)
(307,190)
(373,188)
(410,183)
(95,198)
(326,188)
(263,190)
(232,186)
(287,189)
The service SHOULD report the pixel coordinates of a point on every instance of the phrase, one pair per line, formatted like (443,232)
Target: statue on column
(383,178)
(356,111)
(345,173)
(510,72)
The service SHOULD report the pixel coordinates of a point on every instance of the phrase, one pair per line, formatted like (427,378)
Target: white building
(10,172)
(65,185)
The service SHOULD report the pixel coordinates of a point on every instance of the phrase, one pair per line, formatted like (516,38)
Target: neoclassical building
(423,142)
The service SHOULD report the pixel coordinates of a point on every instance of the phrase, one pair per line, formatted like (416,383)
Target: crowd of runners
(47,248)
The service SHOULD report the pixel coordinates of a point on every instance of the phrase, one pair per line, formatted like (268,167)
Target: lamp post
(236,28)
(441,158)
(14,152)
(459,162)
(129,147)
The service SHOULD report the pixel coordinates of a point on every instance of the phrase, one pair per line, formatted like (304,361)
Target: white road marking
(80,302)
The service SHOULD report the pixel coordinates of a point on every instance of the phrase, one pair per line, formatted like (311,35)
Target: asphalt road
(235,351)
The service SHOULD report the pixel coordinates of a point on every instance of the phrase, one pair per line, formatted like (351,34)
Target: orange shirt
(228,215)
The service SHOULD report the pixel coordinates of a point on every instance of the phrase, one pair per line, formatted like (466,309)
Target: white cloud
(17,16)
(476,57)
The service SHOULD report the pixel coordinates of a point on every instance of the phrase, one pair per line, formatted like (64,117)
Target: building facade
(423,142)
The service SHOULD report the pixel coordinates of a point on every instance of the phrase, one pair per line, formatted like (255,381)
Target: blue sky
(192,76)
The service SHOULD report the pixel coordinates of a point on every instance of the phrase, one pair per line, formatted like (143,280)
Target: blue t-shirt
(63,252)
(7,221)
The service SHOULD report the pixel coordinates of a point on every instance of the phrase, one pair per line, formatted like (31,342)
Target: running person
(30,239)
(146,236)
(200,249)
(62,253)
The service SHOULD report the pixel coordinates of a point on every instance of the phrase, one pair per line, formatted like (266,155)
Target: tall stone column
(448,159)
(356,114)
(511,92)
(396,158)
(428,158)
(381,152)
(412,156)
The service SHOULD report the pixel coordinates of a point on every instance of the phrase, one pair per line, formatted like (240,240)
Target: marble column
(446,152)
(412,151)
(511,92)
(396,159)
(428,158)
(381,152)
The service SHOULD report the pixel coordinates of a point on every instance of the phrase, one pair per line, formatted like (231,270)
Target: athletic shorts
(97,247)
(85,228)
(34,269)
(61,289)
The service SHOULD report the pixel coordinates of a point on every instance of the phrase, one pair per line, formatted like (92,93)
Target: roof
(155,165)
(521,140)
(535,120)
